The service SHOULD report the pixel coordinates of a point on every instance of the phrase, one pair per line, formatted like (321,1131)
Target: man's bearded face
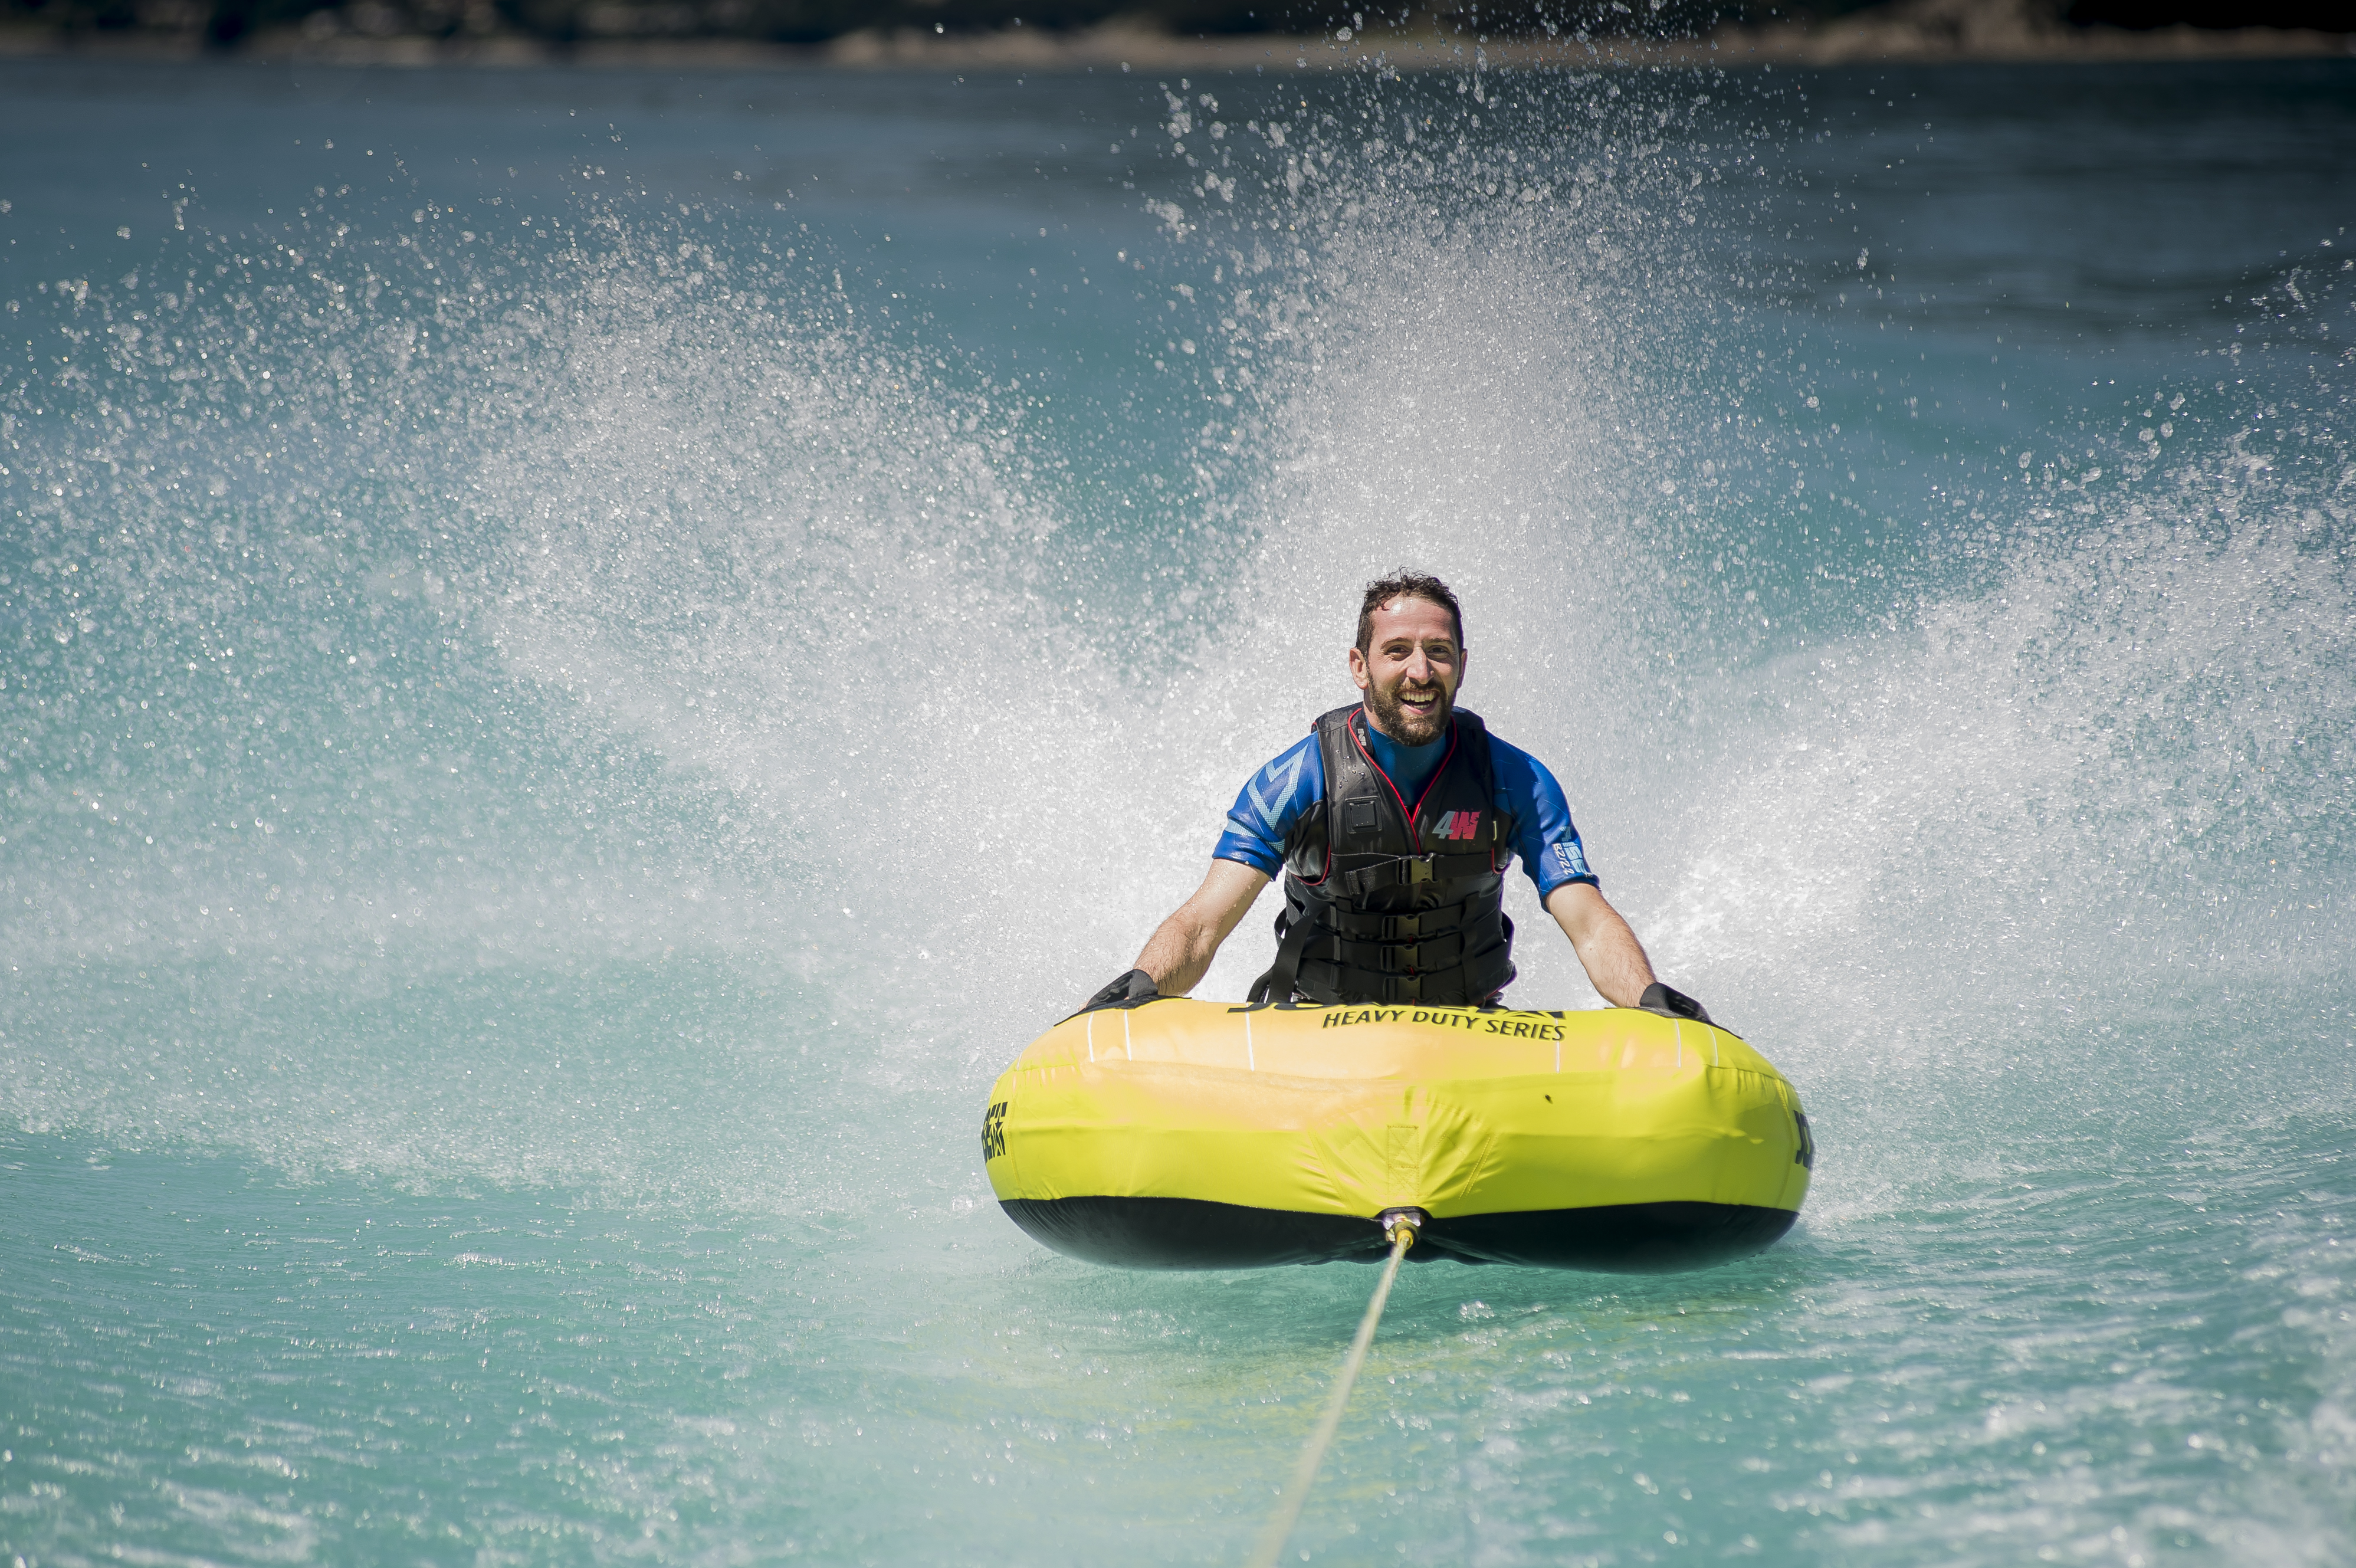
(1409,669)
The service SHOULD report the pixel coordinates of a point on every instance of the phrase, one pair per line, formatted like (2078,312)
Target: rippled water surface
(587,656)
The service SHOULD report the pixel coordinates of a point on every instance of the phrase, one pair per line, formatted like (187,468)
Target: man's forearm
(1179,954)
(1614,959)
(1182,949)
(1616,963)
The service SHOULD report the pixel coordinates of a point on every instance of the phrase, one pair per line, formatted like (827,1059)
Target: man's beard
(1407,728)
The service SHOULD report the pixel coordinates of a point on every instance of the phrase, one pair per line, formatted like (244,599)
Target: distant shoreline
(1863,38)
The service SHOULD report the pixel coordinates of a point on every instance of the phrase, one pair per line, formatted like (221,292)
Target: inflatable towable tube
(1173,1134)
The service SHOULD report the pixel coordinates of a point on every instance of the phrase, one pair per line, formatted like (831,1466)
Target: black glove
(1671,1004)
(1133,987)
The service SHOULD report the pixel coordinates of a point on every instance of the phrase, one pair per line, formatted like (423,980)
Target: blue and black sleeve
(1544,836)
(1267,806)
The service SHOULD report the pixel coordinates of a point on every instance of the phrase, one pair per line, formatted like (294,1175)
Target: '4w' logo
(1458,825)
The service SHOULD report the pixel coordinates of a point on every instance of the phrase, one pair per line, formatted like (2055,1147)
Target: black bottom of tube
(1191,1233)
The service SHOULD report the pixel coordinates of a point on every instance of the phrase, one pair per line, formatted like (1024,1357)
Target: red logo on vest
(1457,825)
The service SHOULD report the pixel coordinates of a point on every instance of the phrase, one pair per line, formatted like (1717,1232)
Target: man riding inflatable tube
(1394,824)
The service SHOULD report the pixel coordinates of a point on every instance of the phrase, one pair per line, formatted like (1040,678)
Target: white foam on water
(833,595)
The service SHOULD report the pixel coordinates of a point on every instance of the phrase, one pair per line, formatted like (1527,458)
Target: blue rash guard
(1272,801)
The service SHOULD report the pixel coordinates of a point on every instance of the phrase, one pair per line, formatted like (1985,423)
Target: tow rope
(1398,1229)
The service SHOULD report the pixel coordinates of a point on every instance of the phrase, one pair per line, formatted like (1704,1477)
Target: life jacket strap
(1466,984)
(1426,955)
(1407,870)
(1296,928)
(1438,921)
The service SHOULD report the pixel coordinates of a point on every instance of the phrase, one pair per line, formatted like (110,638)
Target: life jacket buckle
(1419,868)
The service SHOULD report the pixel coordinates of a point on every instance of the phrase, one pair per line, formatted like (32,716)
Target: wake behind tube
(1182,1134)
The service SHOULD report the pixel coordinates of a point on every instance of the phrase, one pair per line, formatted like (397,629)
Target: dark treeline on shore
(229,25)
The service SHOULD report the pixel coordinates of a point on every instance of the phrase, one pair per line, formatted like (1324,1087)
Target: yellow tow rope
(1398,1227)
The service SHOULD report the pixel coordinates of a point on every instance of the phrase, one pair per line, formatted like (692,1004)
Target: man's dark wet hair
(1410,585)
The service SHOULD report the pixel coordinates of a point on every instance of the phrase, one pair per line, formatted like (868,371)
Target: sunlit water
(587,656)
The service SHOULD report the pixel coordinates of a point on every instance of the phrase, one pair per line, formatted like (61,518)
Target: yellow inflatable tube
(1177,1134)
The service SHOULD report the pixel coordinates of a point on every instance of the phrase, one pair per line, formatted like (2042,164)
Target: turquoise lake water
(588,655)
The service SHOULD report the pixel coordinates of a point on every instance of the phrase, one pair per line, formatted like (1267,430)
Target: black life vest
(1390,901)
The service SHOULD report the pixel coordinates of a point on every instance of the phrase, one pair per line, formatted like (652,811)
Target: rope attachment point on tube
(1400,1227)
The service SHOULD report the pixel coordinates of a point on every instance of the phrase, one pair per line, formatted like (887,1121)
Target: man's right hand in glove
(1133,987)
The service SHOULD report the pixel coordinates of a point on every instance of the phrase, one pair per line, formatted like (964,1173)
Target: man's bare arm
(1614,959)
(1179,954)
